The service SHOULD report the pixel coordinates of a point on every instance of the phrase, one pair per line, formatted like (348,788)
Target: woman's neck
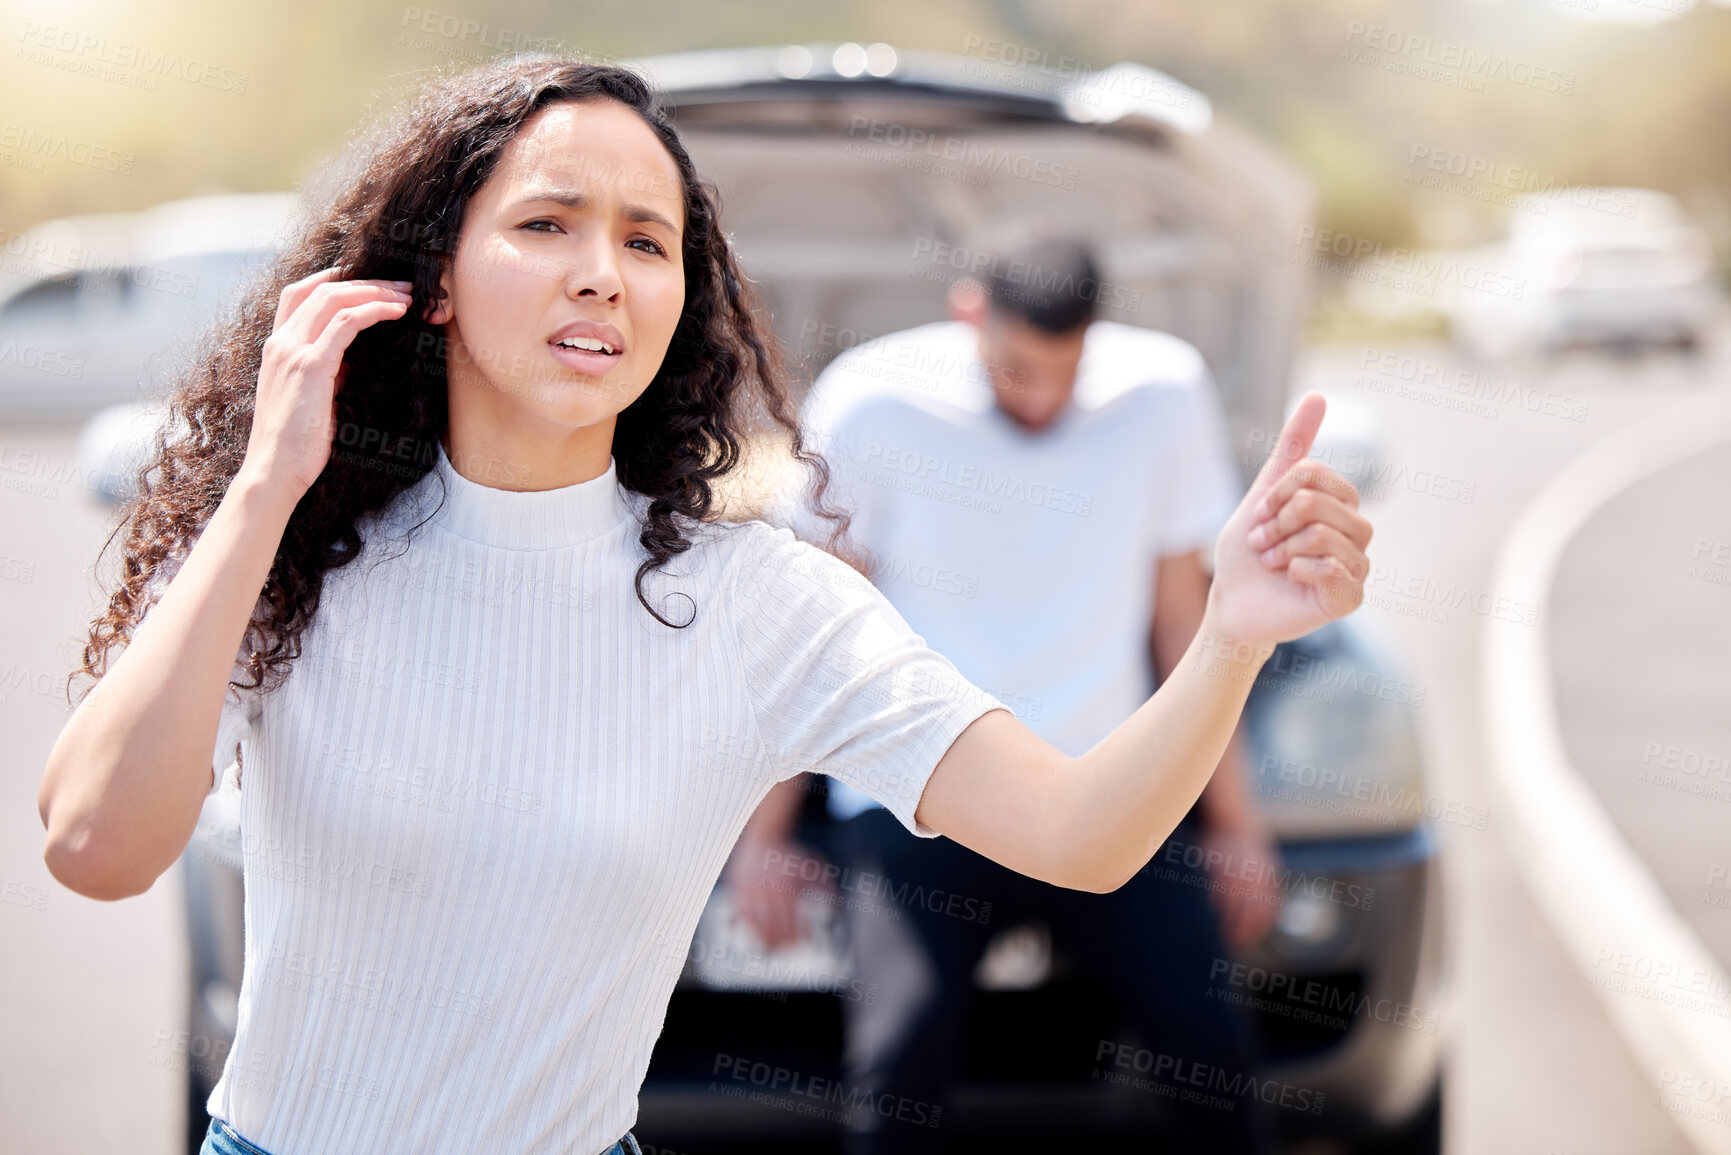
(501,456)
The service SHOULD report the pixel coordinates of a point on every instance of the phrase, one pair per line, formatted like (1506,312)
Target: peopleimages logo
(1383,801)
(777,973)
(878,887)
(1025,277)
(833,1099)
(1173,1075)
(890,465)
(140,65)
(1514,180)
(462,30)
(1221,864)
(1343,254)
(40,146)
(972,158)
(1270,990)
(1467,385)
(1447,61)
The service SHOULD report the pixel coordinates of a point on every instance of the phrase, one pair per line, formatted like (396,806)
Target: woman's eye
(653,245)
(539,221)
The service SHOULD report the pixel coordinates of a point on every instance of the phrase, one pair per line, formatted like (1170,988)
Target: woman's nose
(594,268)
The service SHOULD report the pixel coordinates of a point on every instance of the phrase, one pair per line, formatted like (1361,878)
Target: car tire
(197,1121)
(1420,1135)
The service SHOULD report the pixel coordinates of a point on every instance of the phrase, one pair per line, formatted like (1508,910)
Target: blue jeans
(221,1139)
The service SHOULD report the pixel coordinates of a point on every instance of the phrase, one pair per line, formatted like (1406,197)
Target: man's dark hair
(1050,282)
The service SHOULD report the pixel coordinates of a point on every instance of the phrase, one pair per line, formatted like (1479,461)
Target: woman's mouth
(585,355)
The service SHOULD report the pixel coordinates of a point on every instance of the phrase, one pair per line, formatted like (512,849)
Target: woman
(488,784)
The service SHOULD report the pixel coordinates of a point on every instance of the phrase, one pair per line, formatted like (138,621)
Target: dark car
(852,177)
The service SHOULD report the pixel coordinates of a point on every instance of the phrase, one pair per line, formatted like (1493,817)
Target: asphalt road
(1534,1065)
(1642,655)
(95,989)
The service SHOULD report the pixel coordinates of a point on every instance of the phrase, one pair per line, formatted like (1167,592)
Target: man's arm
(1180,597)
(1290,559)
(1241,848)
(771,910)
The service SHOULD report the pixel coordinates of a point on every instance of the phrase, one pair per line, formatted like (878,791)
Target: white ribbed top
(480,819)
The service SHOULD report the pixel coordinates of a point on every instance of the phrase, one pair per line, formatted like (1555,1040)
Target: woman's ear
(439,312)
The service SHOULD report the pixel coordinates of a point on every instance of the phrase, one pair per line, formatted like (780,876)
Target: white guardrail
(1591,883)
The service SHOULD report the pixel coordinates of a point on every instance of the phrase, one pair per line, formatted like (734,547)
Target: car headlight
(115,444)
(1307,922)
(1333,748)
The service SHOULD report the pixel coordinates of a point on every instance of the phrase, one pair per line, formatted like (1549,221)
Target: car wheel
(197,1122)
(1420,1135)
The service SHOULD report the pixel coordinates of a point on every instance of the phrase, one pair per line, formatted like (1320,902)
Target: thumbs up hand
(1291,557)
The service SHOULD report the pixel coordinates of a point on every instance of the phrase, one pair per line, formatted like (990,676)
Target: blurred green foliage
(1647,106)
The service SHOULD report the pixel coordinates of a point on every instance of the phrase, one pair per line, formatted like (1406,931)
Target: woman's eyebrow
(572,199)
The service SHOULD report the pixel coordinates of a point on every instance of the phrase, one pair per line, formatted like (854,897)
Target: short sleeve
(839,683)
(1202,482)
(239,710)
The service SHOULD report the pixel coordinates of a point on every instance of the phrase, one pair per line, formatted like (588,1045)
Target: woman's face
(573,241)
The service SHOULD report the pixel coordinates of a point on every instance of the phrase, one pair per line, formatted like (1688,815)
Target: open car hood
(854,179)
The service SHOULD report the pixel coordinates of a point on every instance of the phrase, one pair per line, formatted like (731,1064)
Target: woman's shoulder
(731,545)
(760,556)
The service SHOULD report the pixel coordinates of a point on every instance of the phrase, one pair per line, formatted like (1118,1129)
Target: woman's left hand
(1291,557)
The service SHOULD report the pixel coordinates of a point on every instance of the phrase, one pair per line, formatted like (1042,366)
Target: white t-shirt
(1028,559)
(482,815)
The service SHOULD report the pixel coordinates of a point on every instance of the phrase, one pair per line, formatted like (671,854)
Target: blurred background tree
(1650,103)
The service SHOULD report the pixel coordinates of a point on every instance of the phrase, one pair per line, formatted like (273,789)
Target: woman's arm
(125,779)
(1290,559)
(1234,831)
(124,782)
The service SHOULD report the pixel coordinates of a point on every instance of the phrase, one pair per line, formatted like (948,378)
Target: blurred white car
(1619,265)
(105,308)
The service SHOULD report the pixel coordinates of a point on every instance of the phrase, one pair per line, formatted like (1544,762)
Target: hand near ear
(301,369)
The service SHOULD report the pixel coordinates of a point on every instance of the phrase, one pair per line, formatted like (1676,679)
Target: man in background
(1025,456)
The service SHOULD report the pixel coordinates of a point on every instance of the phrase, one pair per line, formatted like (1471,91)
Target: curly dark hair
(397,215)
